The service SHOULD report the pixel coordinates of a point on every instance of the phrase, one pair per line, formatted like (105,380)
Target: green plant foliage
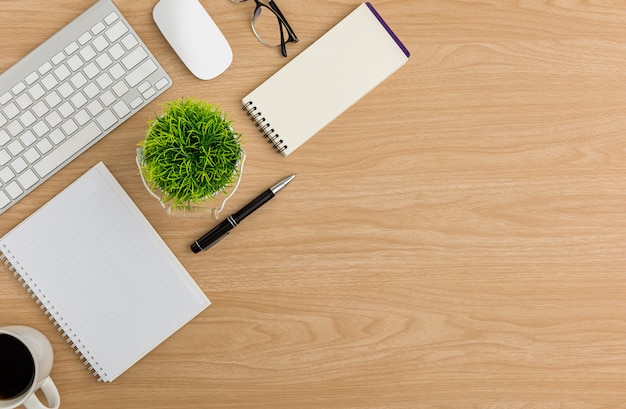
(191,152)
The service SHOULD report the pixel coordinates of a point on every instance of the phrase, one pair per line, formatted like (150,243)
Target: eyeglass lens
(267,27)
(270,26)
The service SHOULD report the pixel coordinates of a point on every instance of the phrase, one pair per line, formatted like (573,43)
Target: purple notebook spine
(391,33)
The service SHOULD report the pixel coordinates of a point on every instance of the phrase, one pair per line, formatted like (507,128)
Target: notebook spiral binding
(264,126)
(55,321)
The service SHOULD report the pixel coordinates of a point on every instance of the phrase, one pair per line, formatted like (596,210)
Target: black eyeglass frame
(283,25)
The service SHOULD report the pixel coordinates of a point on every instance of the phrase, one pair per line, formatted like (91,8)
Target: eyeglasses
(264,29)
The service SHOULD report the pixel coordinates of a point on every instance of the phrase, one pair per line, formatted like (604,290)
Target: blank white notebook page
(103,273)
(324,80)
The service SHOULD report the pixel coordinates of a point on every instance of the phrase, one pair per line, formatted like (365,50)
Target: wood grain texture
(454,240)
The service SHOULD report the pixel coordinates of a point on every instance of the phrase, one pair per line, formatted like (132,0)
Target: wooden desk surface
(456,239)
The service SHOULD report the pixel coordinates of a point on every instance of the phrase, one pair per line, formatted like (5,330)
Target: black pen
(221,230)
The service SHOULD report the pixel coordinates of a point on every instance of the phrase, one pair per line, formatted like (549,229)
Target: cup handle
(51,392)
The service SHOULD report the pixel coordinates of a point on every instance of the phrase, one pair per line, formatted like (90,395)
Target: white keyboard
(70,92)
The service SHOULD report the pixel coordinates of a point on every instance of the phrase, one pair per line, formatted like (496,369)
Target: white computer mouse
(194,36)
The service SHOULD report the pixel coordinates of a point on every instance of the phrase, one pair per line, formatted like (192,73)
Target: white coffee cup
(28,352)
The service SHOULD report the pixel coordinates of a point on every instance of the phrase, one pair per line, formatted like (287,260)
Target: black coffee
(17,368)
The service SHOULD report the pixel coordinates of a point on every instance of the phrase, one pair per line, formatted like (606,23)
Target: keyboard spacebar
(67,149)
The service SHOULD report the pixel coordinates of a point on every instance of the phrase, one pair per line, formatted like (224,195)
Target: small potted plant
(191,156)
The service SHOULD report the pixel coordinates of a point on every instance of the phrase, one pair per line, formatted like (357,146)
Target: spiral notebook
(104,276)
(324,80)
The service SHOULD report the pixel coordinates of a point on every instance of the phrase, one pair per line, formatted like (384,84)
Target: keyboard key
(36,91)
(144,86)
(3,120)
(82,117)
(84,38)
(27,119)
(56,136)
(41,128)
(31,155)
(44,145)
(71,48)
(6,174)
(15,148)
(69,127)
(66,109)
(104,81)
(17,88)
(148,93)
(13,190)
(24,101)
(88,53)
(58,58)
(44,68)
(100,43)
(91,90)
(15,128)
(104,61)
(27,179)
(129,42)
(136,102)
(31,78)
(49,82)
(120,89)
(4,157)
(121,109)
(62,72)
(78,99)
(19,165)
(117,51)
(53,119)
(4,137)
(28,138)
(65,90)
(95,107)
(106,120)
(91,70)
(134,58)
(97,28)
(67,149)
(4,200)
(117,71)
(161,83)
(116,31)
(53,99)
(11,110)
(140,73)
(78,80)
(6,97)
(107,98)
(74,62)
(111,18)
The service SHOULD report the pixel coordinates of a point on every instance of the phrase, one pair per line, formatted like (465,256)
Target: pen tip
(282,184)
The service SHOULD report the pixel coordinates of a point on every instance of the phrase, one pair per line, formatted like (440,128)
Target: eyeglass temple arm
(292,35)
(283,43)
